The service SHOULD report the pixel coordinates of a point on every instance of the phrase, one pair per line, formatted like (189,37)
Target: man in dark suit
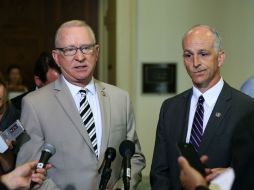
(223,108)
(243,154)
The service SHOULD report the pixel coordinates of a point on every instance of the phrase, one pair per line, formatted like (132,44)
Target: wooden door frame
(107,40)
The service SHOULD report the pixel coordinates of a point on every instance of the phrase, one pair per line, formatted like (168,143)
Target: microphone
(48,150)
(127,149)
(109,157)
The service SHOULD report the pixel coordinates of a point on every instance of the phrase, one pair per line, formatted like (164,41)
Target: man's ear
(55,57)
(97,51)
(221,58)
(38,81)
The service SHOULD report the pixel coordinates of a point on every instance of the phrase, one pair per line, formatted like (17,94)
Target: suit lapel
(185,114)
(214,123)
(65,99)
(104,102)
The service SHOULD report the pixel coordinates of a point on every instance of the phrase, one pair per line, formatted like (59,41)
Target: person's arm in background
(191,179)
(6,161)
(248,87)
(138,159)
(21,177)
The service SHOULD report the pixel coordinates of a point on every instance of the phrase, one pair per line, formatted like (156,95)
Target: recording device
(11,133)
(110,155)
(48,150)
(188,151)
(127,149)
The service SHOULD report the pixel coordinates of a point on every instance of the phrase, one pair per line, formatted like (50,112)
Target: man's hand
(211,173)
(190,178)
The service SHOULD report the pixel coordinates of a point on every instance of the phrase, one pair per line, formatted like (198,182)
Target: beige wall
(151,31)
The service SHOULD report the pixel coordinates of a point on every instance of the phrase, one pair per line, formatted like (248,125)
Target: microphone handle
(44,159)
(127,173)
(105,178)
(126,183)
(41,164)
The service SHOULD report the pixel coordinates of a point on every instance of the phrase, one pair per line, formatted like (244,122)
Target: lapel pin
(103,93)
(217,114)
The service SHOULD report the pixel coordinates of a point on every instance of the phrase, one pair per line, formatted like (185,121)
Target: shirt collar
(75,89)
(211,95)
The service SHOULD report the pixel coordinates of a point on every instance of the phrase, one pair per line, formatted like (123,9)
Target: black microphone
(47,151)
(127,149)
(109,157)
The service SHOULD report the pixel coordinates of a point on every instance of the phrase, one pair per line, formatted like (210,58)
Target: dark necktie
(197,126)
(88,119)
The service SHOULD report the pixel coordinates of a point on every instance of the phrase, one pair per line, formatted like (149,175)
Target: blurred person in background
(45,72)
(248,87)
(15,84)
(8,115)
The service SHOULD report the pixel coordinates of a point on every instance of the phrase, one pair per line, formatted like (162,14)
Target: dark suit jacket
(229,109)
(243,154)
(10,115)
(3,187)
(16,101)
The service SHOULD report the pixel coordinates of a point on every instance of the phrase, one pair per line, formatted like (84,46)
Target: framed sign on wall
(159,78)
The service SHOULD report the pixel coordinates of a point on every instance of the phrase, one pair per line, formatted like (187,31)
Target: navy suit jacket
(230,108)
(243,154)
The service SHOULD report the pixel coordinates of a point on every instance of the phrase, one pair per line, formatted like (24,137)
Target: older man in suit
(52,115)
(208,124)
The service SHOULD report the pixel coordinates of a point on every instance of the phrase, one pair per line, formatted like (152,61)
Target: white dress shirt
(93,101)
(210,97)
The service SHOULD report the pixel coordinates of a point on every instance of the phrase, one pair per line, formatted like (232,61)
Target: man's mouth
(80,67)
(199,71)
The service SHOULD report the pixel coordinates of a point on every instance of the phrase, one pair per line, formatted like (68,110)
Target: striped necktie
(88,119)
(197,126)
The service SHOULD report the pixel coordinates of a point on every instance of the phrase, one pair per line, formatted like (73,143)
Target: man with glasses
(80,116)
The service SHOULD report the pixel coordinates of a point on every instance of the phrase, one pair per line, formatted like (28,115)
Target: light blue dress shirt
(248,87)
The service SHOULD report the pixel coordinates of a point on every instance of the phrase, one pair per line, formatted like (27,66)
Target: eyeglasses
(72,50)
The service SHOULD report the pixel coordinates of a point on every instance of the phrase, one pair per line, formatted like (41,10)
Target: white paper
(224,181)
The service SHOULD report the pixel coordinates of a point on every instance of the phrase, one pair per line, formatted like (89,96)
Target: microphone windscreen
(49,148)
(47,151)
(127,148)
(110,154)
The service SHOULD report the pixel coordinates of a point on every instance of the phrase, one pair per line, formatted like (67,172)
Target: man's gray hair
(217,37)
(73,23)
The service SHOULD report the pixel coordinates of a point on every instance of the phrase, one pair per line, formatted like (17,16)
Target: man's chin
(200,84)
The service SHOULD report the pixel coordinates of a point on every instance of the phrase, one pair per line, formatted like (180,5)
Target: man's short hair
(45,62)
